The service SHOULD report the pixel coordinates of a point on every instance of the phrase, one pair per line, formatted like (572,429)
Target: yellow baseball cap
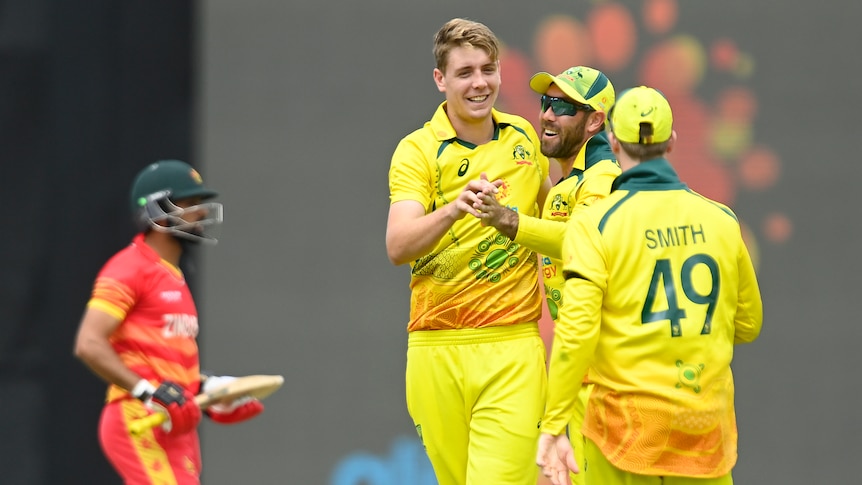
(637,106)
(583,84)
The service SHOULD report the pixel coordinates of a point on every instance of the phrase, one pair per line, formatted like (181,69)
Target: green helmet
(159,186)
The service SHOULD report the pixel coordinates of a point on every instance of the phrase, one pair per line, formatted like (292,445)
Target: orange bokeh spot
(759,168)
(691,157)
(614,35)
(515,68)
(675,66)
(660,15)
(703,174)
(723,54)
(737,105)
(562,42)
(691,118)
(516,97)
(778,228)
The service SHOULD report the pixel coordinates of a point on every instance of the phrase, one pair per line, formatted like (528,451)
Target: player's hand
(178,404)
(492,213)
(556,458)
(237,411)
(234,411)
(470,196)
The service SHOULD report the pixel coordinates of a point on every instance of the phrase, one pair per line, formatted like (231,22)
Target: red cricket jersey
(159,321)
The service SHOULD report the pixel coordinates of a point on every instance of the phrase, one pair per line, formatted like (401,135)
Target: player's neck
(165,245)
(566,165)
(475,132)
(626,162)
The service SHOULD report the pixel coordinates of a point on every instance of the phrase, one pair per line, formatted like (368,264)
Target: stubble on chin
(553,148)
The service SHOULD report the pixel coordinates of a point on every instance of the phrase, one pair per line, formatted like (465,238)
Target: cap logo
(196,177)
(647,112)
(576,72)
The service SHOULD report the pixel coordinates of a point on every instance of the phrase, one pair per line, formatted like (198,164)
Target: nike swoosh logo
(644,113)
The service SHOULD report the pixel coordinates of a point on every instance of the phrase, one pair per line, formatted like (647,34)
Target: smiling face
(471,81)
(563,135)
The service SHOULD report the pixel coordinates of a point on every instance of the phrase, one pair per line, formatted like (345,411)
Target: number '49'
(663,280)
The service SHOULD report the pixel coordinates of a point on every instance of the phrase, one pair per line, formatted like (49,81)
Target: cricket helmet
(156,190)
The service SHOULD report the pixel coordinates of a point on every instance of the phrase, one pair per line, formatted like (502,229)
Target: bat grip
(138,426)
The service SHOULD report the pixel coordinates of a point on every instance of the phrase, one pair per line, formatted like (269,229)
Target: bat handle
(138,426)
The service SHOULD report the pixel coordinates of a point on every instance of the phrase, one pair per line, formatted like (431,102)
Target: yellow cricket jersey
(593,172)
(475,277)
(665,287)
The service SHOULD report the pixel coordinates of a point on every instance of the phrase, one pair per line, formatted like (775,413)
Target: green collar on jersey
(655,174)
(596,149)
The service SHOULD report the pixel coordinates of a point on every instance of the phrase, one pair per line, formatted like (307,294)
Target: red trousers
(153,457)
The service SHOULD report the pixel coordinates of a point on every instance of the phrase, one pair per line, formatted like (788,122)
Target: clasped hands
(479,200)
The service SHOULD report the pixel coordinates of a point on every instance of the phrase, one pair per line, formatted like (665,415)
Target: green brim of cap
(541,81)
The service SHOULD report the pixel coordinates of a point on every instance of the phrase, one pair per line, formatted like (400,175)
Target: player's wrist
(510,223)
(143,390)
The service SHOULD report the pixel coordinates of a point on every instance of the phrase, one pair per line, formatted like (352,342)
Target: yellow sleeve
(749,313)
(546,237)
(410,177)
(577,330)
(575,337)
(540,235)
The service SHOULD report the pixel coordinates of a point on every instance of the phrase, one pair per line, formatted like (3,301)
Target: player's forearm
(749,318)
(749,310)
(563,388)
(103,361)
(575,337)
(540,235)
(413,239)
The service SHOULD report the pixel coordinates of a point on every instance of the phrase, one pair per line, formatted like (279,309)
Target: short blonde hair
(460,32)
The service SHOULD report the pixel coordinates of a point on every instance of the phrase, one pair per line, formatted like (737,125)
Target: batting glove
(179,405)
(235,411)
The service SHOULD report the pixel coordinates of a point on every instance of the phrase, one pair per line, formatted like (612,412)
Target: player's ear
(671,141)
(597,121)
(439,80)
(615,144)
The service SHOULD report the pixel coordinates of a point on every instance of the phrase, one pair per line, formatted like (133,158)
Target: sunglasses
(561,107)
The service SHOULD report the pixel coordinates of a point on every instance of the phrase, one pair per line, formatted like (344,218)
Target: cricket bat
(258,386)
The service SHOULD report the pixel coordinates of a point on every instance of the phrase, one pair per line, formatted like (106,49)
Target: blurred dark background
(90,92)
(292,109)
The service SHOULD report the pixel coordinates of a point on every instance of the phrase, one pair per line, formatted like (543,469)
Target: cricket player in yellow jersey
(574,107)
(665,288)
(139,333)
(476,374)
